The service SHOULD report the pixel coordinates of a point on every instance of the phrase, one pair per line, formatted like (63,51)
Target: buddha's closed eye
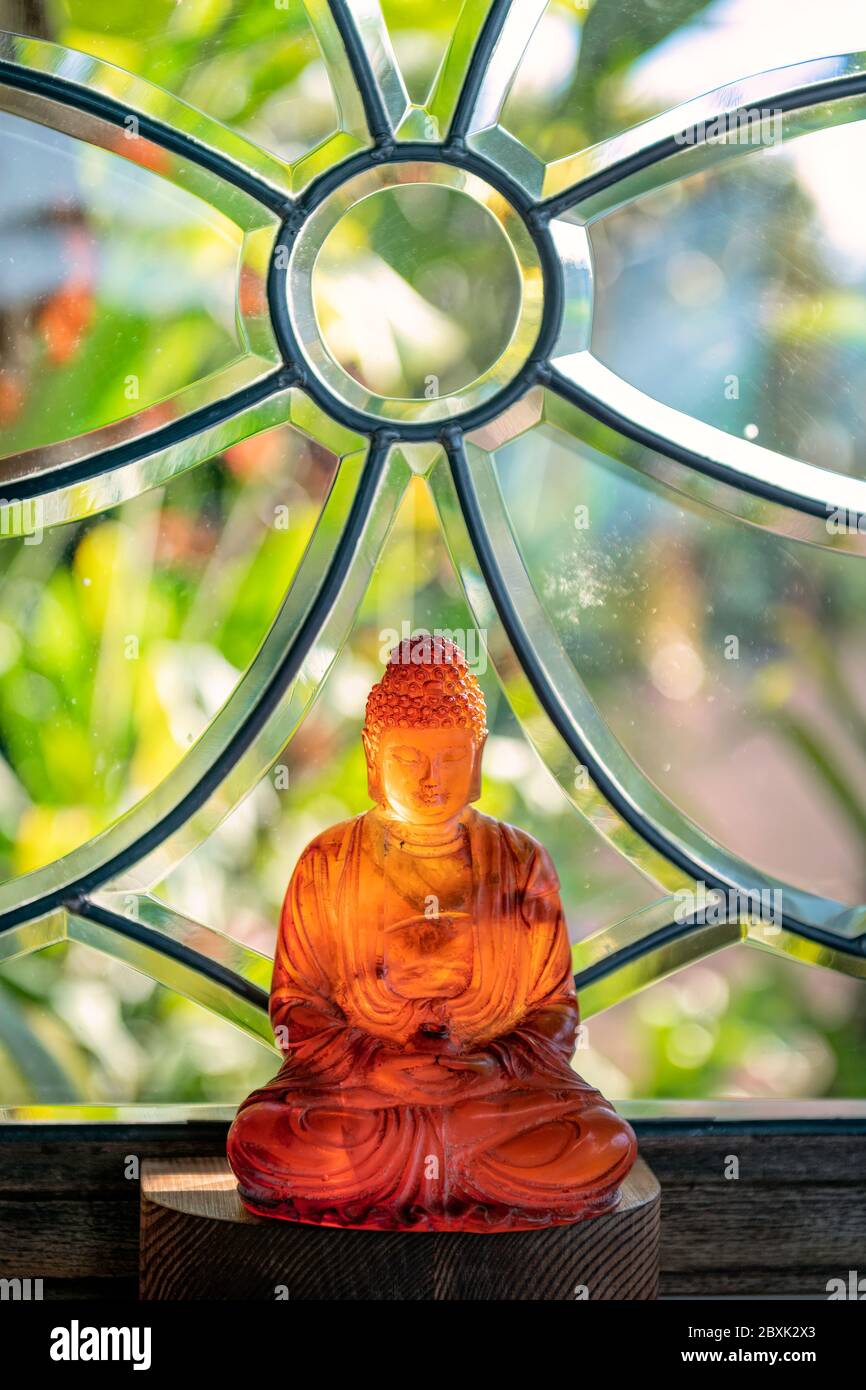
(410,756)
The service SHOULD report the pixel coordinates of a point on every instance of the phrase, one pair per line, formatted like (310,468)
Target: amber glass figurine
(423,998)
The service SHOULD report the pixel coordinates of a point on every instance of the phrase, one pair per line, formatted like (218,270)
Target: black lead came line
(188,426)
(680,453)
(476,71)
(372,100)
(796,99)
(677,931)
(175,950)
(93,103)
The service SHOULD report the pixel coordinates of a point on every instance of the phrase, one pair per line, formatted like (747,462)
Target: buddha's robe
(426,1082)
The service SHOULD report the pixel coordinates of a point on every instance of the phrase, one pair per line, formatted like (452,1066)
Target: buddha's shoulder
(331,844)
(529,853)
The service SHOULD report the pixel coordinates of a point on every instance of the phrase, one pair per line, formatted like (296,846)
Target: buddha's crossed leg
(544,1156)
(517,1158)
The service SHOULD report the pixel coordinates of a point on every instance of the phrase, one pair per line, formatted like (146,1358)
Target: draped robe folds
(521,1142)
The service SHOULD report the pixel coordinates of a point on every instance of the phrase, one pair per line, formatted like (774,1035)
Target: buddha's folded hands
(426,1078)
(432,1067)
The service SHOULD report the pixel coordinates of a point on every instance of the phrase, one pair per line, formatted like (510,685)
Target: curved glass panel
(738,1025)
(254,68)
(78,1027)
(386,286)
(420,37)
(726,661)
(122,636)
(713,44)
(417,291)
(117,289)
(545,106)
(750,281)
(593,70)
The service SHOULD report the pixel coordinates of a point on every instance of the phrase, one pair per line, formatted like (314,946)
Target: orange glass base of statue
(424,1000)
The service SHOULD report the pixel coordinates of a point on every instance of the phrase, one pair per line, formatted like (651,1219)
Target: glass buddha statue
(424,1001)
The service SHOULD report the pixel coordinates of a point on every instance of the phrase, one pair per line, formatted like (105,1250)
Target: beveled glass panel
(121,637)
(420,37)
(236,879)
(417,291)
(78,1027)
(544,107)
(593,70)
(749,280)
(387,283)
(738,1025)
(254,67)
(118,289)
(727,661)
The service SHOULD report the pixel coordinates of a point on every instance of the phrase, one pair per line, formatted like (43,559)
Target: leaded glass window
(541,324)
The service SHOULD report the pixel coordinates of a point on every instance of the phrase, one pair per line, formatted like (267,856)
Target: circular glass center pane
(417,291)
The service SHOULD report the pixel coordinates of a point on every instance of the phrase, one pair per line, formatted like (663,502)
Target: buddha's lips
(429,798)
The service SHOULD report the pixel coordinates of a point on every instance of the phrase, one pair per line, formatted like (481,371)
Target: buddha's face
(427,776)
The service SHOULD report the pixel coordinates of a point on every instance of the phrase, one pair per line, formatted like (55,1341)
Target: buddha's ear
(374,786)
(475,784)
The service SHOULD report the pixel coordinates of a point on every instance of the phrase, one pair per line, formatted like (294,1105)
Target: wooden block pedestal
(199,1242)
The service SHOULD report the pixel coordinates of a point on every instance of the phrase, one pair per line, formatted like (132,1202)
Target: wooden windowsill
(792,1219)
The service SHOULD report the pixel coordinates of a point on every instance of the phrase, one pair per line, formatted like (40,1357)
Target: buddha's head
(424,733)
